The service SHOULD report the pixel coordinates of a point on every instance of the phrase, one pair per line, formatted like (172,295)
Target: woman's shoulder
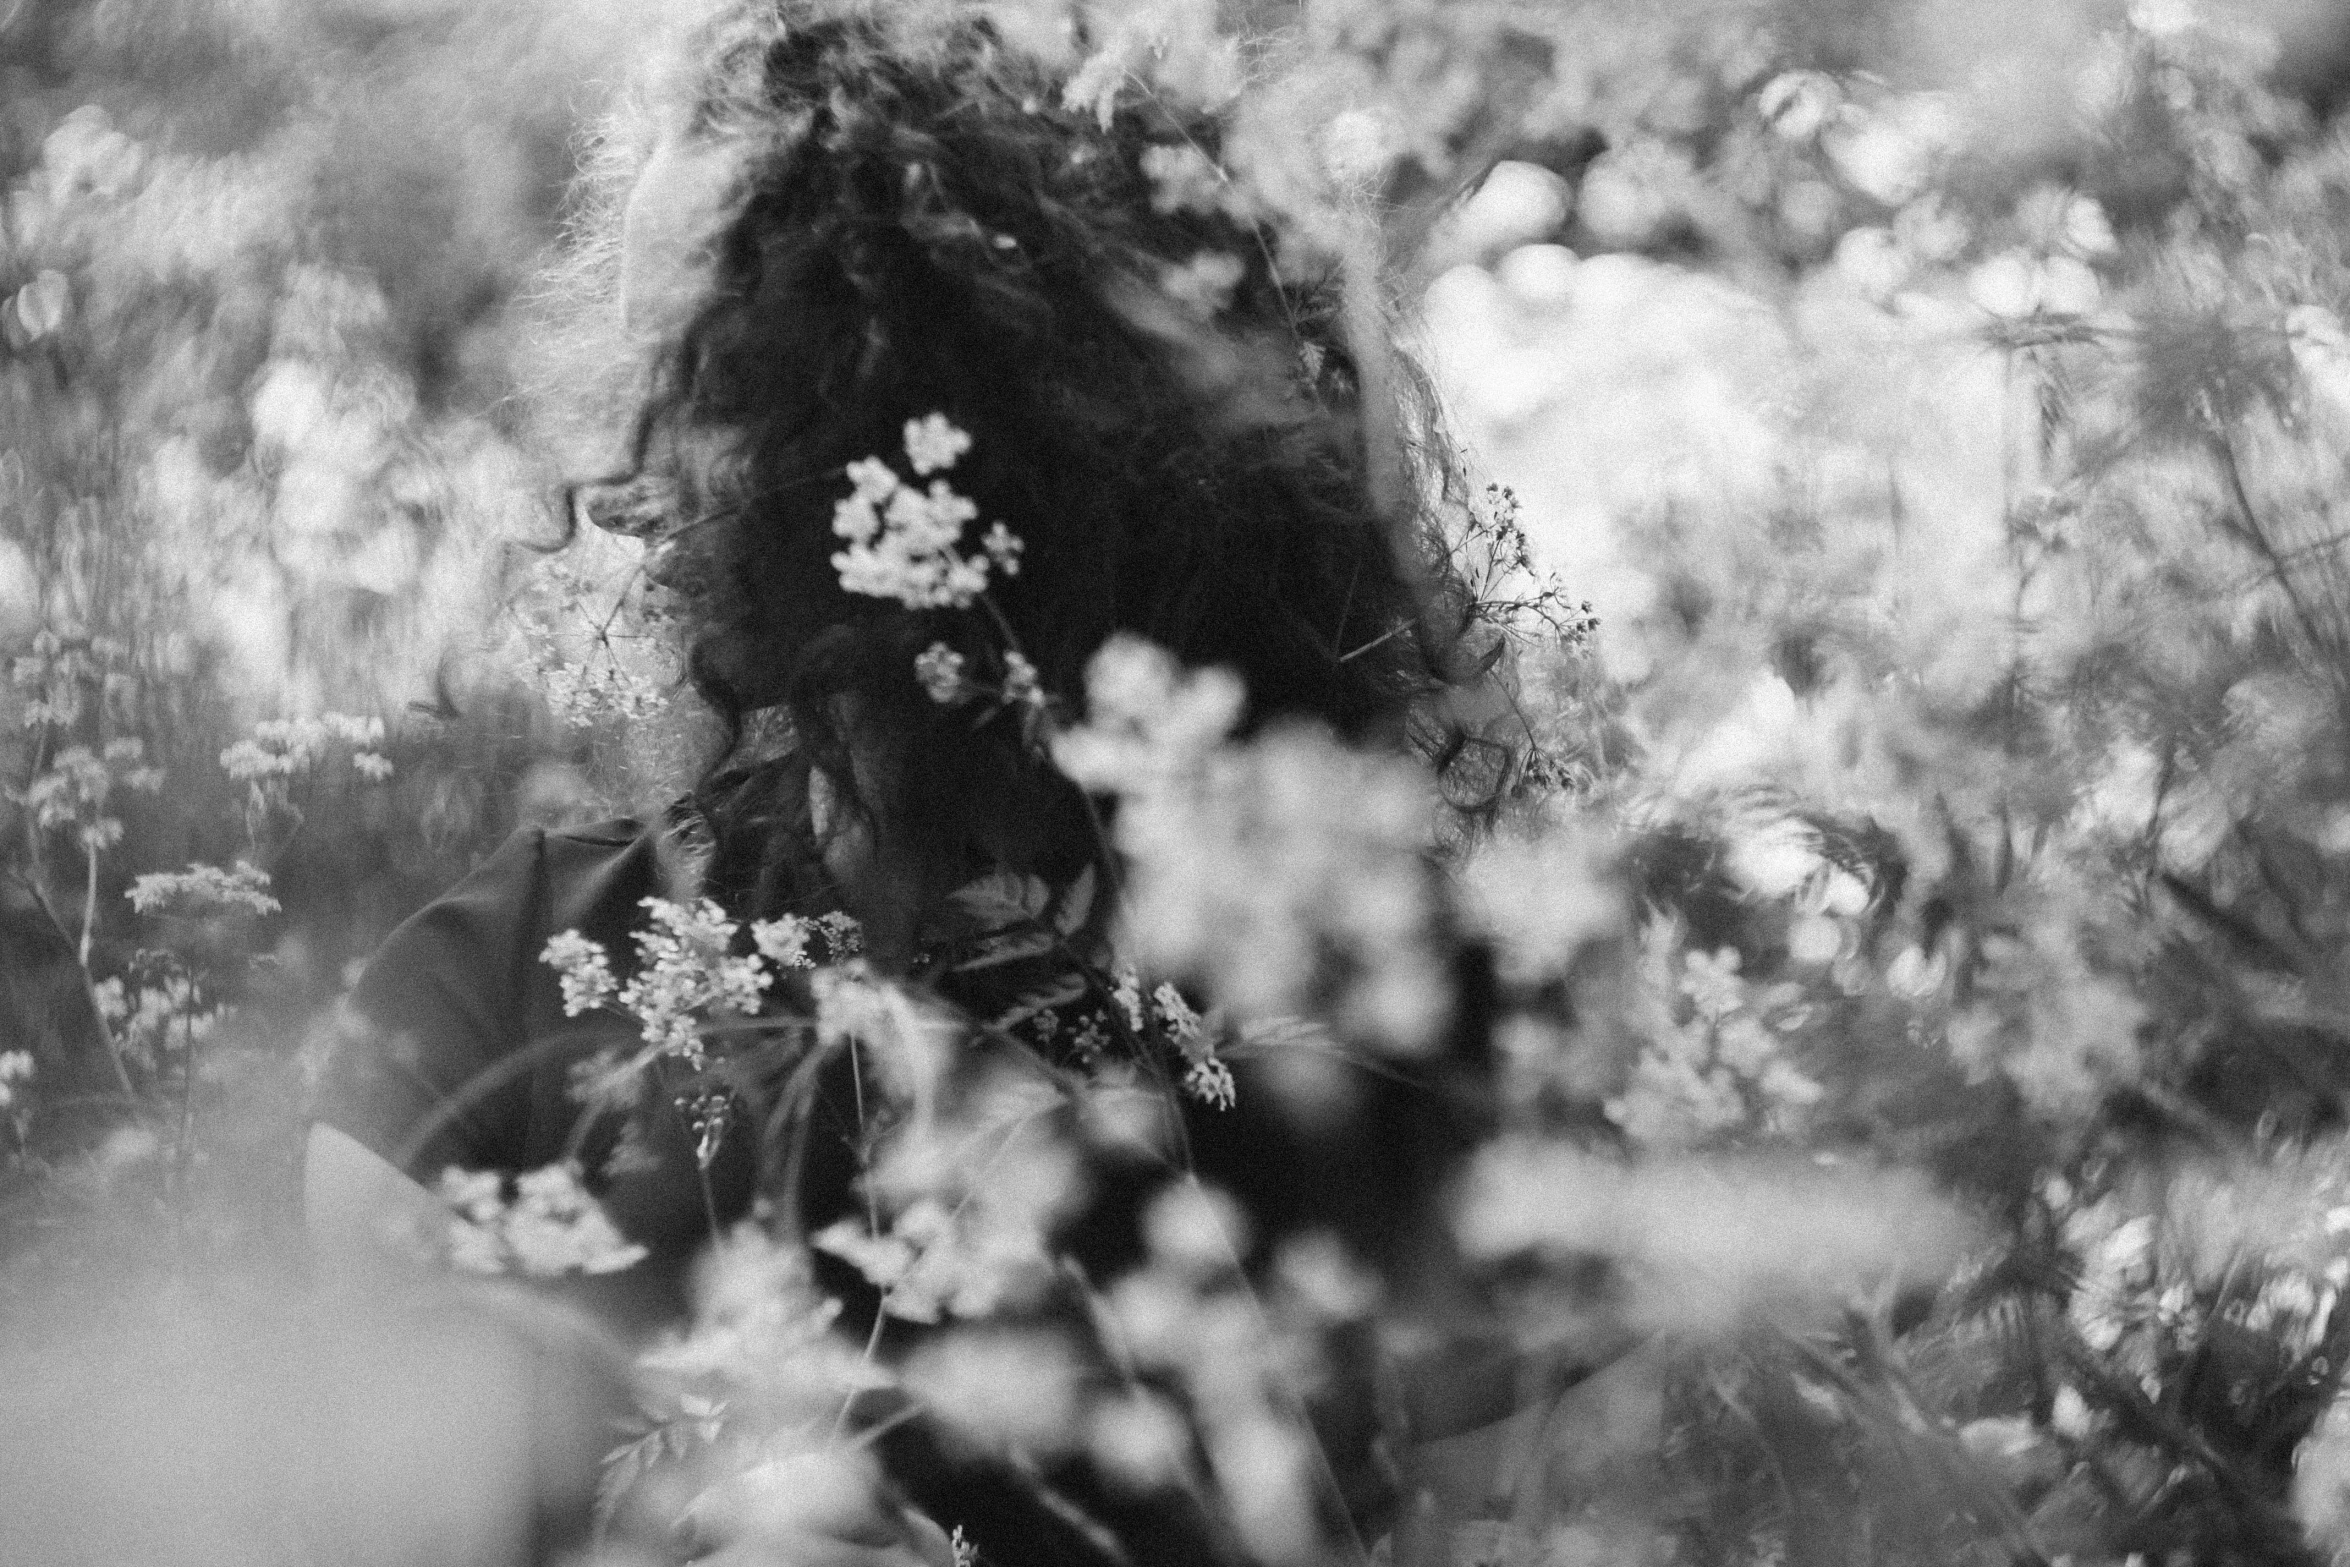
(541,877)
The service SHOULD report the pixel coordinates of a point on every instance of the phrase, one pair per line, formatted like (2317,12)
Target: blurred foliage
(1914,950)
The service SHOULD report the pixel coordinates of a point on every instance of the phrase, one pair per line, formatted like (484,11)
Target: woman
(870,227)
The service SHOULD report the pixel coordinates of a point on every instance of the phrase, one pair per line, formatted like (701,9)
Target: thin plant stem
(2245,526)
(186,1157)
(881,1311)
(32,884)
(1292,1407)
(89,903)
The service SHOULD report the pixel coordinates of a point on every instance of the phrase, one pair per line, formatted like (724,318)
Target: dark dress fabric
(456,1052)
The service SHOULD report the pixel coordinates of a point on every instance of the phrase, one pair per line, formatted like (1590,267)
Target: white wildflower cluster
(584,693)
(203,890)
(583,969)
(945,678)
(1022,686)
(285,748)
(933,444)
(1713,1060)
(1700,1242)
(72,792)
(687,970)
(1244,874)
(903,541)
(2126,1304)
(59,672)
(1206,1077)
(589,630)
(549,1227)
(169,1015)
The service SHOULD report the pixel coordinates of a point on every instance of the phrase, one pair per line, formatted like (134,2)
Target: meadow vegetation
(1902,918)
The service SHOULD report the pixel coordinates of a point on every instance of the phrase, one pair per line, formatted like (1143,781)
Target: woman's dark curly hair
(925,227)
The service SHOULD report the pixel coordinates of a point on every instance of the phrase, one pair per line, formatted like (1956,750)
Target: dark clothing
(460,1054)
(457,1053)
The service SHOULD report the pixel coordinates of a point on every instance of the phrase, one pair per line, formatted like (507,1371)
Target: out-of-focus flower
(933,444)
(74,790)
(2014,285)
(1891,151)
(1141,1443)
(1242,874)
(2013,1448)
(1704,1242)
(2162,18)
(288,747)
(1358,147)
(1542,894)
(1197,1230)
(2321,1480)
(2065,222)
(1931,230)
(1913,976)
(1020,1388)
(2321,355)
(1798,105)
(1183,179)
(1873,261)
(202,890)
(1266,1467)
(16,1070)
(1518,204)
(761,1331)
(1203,285)
(1148,720)
(1628,196)
(550,1226)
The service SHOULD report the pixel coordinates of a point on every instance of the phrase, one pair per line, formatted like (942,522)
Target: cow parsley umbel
(903,542)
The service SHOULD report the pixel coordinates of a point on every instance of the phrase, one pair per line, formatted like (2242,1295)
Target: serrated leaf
(1002,898)
(999,950)
(1058,994)
(1076,903)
